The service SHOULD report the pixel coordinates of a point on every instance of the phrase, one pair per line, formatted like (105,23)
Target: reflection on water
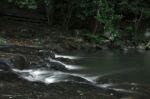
(133,66)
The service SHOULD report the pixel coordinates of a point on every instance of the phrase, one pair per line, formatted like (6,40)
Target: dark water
(132,66)
(131,69)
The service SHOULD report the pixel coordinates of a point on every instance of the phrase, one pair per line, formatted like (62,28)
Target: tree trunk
(50,11)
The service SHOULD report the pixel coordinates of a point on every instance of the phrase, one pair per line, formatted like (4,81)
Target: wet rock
(147,33)
(126,90)
(106,80)
(46,53)
(57,66)
(125,49)
(66,60)
(19,61)
(8,61)
(21,57)
(141,47)
(148,46)
(4,66)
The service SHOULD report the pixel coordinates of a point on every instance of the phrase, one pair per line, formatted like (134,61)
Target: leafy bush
(95,38)
(107,15)
(31,4)
(2,41)
(104,16)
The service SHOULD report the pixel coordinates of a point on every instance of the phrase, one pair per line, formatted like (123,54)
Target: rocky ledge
(20,57)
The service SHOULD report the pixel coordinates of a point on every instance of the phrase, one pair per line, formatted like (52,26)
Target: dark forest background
(117,21)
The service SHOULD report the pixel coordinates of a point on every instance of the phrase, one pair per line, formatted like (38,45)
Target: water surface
(131,66)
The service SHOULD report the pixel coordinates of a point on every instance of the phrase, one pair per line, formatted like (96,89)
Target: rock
(57,66)
(46,53)
(147,33)
(20,57)
(105,80)
(19,61)
(141,47)
(4,66)
(10,60)
(125,49)
(66,60)
(148,46)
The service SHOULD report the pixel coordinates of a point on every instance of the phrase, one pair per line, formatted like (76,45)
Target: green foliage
(85,9)
(135,7)
(2,41)
(107,16)
(31,4)
(95,38)
(108,13)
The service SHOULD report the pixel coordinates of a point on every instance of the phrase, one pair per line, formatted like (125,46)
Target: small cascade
(70,67)
(49,68)
(52,76)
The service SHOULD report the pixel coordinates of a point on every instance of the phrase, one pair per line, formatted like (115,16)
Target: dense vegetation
(115,21)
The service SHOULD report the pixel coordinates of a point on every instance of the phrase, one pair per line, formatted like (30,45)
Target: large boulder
(9,60)
(20,57)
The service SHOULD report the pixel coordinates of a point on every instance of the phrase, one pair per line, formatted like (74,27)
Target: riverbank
(40,34)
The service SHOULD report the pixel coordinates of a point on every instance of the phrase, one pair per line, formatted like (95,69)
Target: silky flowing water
(132,67)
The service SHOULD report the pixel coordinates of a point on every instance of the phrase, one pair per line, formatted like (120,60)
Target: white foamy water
(105,85)
(38,75)
(51,76)
(48,77)
(89,78)
(70,67)
(66,56)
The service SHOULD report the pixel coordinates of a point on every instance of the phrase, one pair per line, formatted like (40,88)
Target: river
(132,66)
(88,74)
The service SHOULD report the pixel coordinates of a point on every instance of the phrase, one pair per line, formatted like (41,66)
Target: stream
(132,66)
(100,75)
